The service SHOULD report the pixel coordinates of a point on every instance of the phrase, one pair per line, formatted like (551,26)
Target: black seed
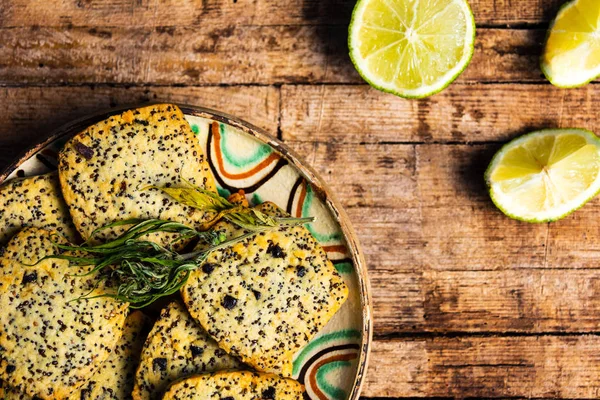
(227,398)
(10,369)
(220,353)
(28,278)
(275,251)
(208,268)
(196,351)
(86,152)
(269,393)
(229,302)
(85,394)
(300,271)
(160,364)
(141,121)
(256,294)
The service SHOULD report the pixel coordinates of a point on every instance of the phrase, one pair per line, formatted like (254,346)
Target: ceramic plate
(241,156)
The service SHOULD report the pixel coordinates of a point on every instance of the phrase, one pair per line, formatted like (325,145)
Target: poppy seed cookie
(264,298)
(51,343)
(108,170)
(242,385)
(114,379)
(35,201)
(176,347)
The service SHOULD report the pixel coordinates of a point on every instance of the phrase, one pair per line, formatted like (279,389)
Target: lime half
(572,54)
(411,48)
(545,175)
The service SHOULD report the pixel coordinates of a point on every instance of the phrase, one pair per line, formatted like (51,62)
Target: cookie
(242,385)
(114,379)
(50,342)
(108,170)
(35,201)
(264,298)
(176,347)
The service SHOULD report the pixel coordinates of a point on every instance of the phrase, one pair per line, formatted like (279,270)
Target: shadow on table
(331,19)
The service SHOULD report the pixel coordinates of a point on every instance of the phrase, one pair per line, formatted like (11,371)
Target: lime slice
(572,54)
(411,48)
(545,175)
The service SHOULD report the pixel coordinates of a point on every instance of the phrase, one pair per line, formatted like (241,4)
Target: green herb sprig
(143,271)
(247,218)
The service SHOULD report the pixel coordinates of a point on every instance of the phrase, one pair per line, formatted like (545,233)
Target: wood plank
(441,258)
(575,240)
(516,301)
(471,113)
(215,54)
(96,13)
(29,114)
(205,54)
(541,367)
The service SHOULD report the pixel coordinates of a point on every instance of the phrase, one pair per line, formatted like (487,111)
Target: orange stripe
(301,200)
(335,249)
(313,374)
(265,163)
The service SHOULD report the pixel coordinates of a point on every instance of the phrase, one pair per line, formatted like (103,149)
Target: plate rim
(318,184)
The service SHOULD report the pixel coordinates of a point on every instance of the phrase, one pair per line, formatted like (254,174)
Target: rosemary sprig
(247,218)
(143,271)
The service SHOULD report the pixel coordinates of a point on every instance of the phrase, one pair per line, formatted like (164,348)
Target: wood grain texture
(542,367)
(29,114)
(500,302)
(213,53)
(461,113)
(265,12)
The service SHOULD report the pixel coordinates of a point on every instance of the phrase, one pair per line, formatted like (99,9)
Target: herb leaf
(143,271)
(250,219)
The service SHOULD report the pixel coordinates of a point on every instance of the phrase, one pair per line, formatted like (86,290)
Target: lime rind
(424,91)
(564,210)
(545,67)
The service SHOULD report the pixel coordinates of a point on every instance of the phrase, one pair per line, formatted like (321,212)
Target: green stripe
(333,392)
(321,237)
(344,267)
(223,192)
(256,199)
(262,152)
(329,337)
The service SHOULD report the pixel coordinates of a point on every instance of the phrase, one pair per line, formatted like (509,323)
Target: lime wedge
(572,54)
(411,48)
(545,175)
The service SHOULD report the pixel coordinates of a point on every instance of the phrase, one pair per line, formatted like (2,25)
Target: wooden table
(466,301)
